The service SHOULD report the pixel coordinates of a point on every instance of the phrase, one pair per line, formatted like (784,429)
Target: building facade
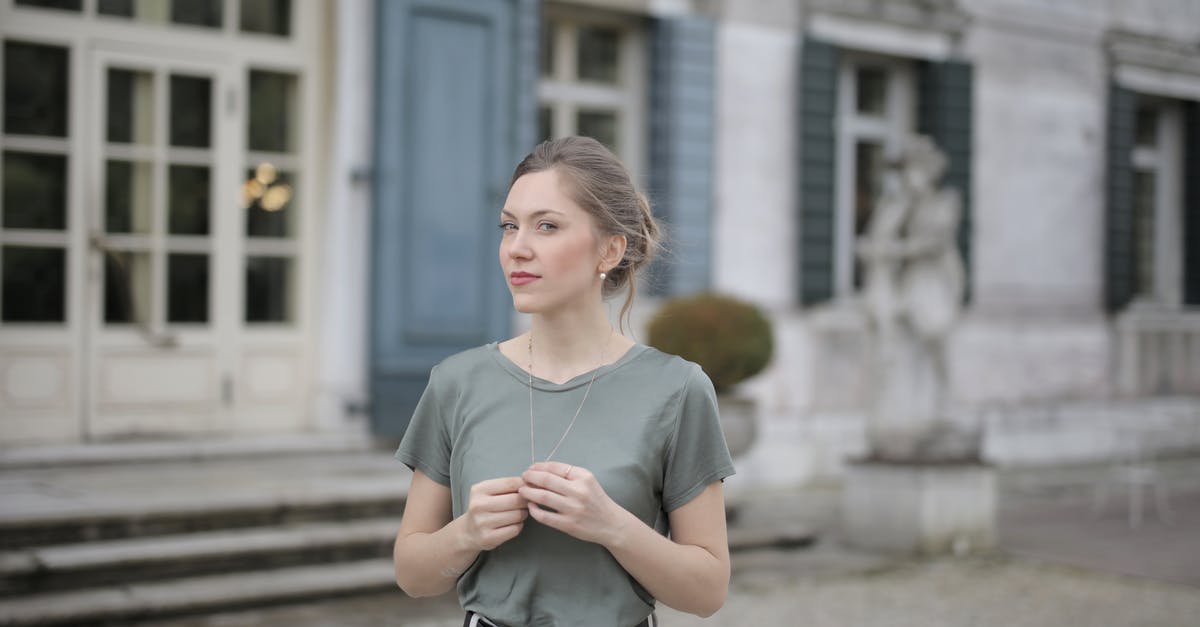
(231,217)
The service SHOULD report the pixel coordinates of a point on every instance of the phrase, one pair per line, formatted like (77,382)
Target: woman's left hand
(581,507)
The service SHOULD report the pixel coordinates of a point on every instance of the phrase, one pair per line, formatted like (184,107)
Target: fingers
(499,485)
(566,471)
(499,503)
(545,498)
(495,536)
(550,480)
(550,519)
(495,520)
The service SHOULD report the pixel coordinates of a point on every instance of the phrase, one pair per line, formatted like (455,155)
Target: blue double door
(454,114)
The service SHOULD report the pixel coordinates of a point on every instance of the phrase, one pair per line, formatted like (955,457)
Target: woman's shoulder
(666,366)
(465,362)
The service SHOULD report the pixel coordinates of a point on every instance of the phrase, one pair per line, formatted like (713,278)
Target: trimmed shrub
(729,338)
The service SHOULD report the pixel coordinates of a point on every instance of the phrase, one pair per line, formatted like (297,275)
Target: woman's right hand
(495,513)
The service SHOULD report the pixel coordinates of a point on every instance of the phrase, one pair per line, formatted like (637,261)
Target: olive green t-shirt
(649,432)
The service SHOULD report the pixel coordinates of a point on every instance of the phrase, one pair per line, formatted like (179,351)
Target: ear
(612,252)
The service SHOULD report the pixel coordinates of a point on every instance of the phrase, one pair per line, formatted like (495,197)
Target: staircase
(133,540)
(114,537)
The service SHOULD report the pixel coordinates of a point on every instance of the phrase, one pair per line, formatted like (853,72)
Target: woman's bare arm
(432,549)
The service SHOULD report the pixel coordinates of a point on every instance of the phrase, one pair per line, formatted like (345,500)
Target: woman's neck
(571,342)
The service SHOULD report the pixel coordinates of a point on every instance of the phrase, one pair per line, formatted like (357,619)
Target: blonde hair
(599,183)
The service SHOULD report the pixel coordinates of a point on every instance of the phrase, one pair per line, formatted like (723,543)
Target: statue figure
(912,292)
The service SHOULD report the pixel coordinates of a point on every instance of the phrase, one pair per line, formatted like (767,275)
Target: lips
(522,278)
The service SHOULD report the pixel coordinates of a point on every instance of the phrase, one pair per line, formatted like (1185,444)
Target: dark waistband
(485,622)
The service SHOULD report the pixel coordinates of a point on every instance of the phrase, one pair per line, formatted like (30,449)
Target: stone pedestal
(920,508)
(739,421)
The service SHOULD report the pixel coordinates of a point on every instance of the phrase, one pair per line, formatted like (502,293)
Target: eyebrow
(535,214)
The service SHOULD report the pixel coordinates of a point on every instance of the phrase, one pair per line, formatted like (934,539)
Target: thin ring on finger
(567,474)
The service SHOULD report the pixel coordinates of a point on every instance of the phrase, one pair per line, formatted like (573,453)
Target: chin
(522,305)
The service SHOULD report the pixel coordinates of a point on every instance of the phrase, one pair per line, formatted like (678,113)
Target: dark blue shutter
(683,80)
(454,113)
(1119,257)
(818,146)
(1191,204)
(944,113)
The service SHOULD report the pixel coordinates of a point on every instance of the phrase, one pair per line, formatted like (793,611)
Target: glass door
(156,304)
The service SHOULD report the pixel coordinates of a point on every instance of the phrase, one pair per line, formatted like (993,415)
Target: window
(1157,160)
(266,17)
(157,194)
(592,80)
(876,112)
(61,5)
(271,219)
(205,13)
(34,174)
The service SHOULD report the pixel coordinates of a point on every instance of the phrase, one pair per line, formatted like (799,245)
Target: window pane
(130,106)
(128,199)
(1146,128)
(598,52)
(191,111)
(120,8)
(545,124)
(191,12)
(187,288)
(34,284)
(127,285)
(35,89)
(872,90)
(268,202)
(268,289)
(868,182)
(600,125)
(1143,231)
(66,5)
(546,51)
(272,111)
(35,190)
(187,200)
(273,17)
(196,12)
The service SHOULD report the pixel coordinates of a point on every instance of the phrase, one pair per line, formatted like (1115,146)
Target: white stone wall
(342,369)
(1037,334)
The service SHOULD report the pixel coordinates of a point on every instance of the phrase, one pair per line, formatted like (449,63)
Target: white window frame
(891,129)
(1164,161)
(565,94)
(237,350)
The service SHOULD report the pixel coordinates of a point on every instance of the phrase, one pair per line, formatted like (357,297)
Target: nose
(516,245)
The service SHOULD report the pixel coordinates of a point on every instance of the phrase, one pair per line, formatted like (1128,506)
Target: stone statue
(912,291)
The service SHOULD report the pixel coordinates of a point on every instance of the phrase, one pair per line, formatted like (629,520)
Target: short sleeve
(697,454)
(426,441)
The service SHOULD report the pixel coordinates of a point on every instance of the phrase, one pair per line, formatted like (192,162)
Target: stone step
(197,594)
(121,519)
(186,449)
(77,566)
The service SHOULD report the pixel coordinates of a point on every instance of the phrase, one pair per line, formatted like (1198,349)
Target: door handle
(155,338)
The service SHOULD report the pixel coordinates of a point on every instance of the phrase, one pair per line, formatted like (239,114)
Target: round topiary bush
(729,338)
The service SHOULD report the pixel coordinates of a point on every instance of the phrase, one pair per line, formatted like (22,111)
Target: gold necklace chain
(532,454)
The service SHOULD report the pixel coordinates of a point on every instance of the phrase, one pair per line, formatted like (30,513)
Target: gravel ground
(772,588)
(973,591)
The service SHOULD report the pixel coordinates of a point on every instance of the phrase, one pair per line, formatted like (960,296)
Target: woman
(568,525)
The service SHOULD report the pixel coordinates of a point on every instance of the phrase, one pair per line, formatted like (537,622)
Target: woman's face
(549,250)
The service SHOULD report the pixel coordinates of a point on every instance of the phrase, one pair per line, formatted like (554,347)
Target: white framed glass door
(160,296)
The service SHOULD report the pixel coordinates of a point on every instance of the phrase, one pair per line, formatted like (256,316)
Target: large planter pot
(739,421)
(919,508)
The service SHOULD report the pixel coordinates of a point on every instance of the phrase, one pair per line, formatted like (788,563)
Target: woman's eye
(546,226)
(504,226)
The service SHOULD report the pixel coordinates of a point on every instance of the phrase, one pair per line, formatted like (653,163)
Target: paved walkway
(1060,562)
